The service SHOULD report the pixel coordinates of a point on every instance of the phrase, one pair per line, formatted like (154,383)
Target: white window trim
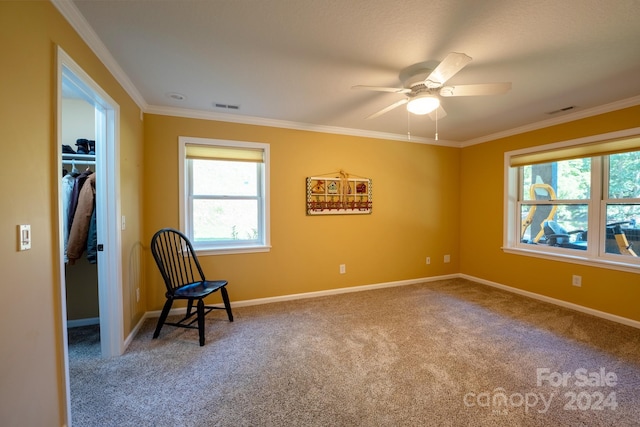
(511,230)
(183,194)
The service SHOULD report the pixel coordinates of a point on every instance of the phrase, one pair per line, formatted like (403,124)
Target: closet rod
(78,162)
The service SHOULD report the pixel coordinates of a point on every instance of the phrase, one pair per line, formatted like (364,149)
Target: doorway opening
(76,90)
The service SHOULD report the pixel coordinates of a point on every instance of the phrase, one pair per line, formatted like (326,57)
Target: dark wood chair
(185,280)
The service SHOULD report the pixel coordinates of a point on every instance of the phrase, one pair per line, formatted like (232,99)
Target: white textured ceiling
(296,60)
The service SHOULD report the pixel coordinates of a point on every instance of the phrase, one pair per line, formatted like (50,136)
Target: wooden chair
(185,280)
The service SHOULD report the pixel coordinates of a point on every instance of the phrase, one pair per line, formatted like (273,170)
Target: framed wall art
(339,195)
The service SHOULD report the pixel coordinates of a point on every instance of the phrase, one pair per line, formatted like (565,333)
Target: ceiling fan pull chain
(408,126)
(436,124)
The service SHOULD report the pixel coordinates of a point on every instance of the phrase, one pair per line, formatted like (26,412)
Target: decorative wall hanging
(338,195)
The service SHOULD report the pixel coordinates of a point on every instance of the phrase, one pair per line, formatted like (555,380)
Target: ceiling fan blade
(449,66)
(475,90)
(383,89)
(441,113)
(387,109)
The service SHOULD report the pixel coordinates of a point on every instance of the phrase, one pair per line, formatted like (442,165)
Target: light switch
(24,237)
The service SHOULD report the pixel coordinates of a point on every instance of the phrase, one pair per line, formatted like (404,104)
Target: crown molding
(590,112)
(71,13)
(260,121)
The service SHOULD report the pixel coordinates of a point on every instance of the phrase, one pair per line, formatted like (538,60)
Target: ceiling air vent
(175,95)
(226,106)
(562,110)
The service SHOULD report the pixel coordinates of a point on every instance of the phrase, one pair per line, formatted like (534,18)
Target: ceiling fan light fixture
(423,104)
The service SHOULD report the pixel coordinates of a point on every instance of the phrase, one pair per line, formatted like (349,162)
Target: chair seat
(199,289)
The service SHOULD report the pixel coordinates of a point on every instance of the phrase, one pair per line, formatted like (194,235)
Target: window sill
(575,259)
(228,250)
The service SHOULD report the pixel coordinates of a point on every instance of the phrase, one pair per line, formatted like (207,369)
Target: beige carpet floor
(445,353)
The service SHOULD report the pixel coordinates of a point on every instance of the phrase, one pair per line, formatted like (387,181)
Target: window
(577,199)
(224,194)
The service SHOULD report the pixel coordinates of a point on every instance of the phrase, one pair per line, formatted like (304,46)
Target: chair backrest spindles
(176,259)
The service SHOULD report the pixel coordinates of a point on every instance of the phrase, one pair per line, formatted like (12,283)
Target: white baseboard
(316,294)
(83,322)
(291,297)
(565,304)
(338,291)
(135,330)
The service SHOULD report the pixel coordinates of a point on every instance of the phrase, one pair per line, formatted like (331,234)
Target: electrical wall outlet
(343,268)
(576,280)
(428,260)
(447,258)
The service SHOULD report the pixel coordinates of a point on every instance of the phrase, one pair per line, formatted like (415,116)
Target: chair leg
(189,307)
(201,321)
(163,317)
(227,304)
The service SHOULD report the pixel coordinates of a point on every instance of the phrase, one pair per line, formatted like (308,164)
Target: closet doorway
(77,91)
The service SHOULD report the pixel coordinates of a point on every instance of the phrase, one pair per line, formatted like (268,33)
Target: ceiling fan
(422,92)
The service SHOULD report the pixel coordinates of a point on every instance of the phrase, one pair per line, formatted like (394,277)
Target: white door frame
(107,204)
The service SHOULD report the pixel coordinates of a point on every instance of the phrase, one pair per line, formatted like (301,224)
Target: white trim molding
(555,301)
(83,322)
(328,292)
(533,295)
(316,294)
(284,124)
(75,18)
(590,112)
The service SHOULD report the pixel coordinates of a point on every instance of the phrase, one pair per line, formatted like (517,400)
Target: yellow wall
(415,210)
(31,374)
(481,192)
(428,201)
